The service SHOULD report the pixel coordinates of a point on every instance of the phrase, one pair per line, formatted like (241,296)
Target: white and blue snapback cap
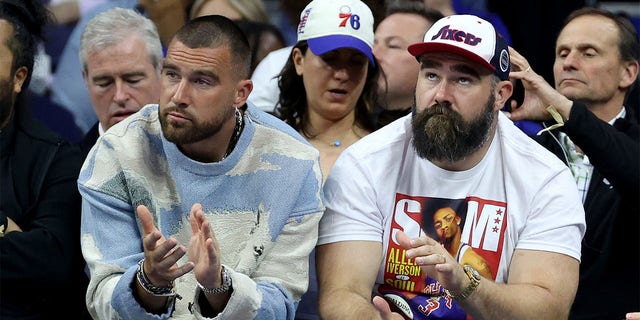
(328,25)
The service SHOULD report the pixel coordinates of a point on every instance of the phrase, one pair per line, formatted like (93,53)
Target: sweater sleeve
(281,278)
(108,226)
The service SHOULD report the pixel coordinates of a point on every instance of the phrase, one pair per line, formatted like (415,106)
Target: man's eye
(171,74)
(103,84)
(202,82)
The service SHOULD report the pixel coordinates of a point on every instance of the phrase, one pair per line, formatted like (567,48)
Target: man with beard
(41,266)
(524,214)
(202,205)
(599,139)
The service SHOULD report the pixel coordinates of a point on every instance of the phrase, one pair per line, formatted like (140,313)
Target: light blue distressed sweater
(263,201)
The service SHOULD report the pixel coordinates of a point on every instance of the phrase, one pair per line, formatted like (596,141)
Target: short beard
(441,134)
(7,101)
(186,135)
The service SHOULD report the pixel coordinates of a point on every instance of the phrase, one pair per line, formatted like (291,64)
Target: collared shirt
(579,164)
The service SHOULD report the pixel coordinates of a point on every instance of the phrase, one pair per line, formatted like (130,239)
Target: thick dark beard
(441,134)
(6,101)
(187,135)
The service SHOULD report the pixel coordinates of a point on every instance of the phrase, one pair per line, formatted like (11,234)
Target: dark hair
(214,31)
(292,104)
(405,7)
(291,9)
(414,7)
(255,33)
(28,18)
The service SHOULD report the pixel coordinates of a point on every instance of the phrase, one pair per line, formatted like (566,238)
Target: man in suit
(597,136)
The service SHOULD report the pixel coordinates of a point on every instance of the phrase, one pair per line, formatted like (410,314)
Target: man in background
(598,137)
(404,24)
(41,266)
(121,56)
(67,91)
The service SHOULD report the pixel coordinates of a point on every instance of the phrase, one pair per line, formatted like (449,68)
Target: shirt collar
(620,115)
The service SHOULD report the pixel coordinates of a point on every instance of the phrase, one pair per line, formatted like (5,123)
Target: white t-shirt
(265,93)
(520,196)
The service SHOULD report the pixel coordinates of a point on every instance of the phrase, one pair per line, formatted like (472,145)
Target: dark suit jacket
(41,268)
(89,140)
(610,263)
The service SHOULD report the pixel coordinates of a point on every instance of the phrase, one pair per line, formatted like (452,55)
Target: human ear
(503,92)
(298,60)
(18,79)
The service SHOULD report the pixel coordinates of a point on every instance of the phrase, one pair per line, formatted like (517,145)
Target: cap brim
(322,45)
(418,49)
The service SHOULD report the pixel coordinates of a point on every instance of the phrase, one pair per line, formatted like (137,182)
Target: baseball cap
(329,25)
(468,36)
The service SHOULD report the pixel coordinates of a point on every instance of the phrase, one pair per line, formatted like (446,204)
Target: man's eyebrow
(466,69)
(459,67)
(581,47)
(101,77)
(134,74)
(206,73)
(197,73)
(168,65)
(428,63)
(131,74)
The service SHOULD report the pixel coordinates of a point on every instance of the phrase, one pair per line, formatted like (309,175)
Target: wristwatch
(474,276)
(226,284)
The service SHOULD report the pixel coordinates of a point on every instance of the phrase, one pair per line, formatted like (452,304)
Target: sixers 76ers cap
(333,24)
(470,37)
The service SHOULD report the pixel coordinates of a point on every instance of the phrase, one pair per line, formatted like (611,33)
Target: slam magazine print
(472,230)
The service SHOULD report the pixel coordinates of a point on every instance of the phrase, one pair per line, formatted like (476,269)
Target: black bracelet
(150,288)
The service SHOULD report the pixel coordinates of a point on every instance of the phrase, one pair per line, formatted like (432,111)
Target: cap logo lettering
(504,60)
(457,35)
(346,16)
(303,20)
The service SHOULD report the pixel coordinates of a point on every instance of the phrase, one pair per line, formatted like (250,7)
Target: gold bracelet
(556,116)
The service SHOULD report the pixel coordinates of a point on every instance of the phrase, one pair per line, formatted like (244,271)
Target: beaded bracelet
(150,288)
